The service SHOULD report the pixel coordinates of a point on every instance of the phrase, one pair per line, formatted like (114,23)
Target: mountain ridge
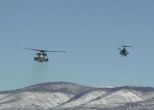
(67,95)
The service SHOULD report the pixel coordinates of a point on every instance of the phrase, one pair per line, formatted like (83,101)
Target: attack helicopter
(123,51)
(41,55)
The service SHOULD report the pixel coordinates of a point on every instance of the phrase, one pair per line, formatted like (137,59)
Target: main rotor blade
(42,50)
(54,51)
(32,49)
(126,46)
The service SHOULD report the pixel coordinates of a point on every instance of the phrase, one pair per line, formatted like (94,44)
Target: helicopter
(41,55)
(123,51)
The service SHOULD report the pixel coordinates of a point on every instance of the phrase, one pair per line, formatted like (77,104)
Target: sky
(90,30)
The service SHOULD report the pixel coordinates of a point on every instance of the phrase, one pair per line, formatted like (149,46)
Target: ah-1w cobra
(123,51)
(41,55)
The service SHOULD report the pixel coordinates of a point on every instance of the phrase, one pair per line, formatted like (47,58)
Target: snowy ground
(69,96)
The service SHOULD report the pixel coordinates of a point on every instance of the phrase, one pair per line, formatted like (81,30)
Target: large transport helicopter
(41,55)
(123,51)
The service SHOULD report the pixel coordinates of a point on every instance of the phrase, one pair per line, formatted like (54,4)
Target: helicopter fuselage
(41,57)
(124,52)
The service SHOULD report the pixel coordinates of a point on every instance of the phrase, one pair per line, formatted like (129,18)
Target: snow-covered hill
(70,96)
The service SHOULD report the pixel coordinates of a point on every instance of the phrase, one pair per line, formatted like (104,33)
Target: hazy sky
(90,30)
